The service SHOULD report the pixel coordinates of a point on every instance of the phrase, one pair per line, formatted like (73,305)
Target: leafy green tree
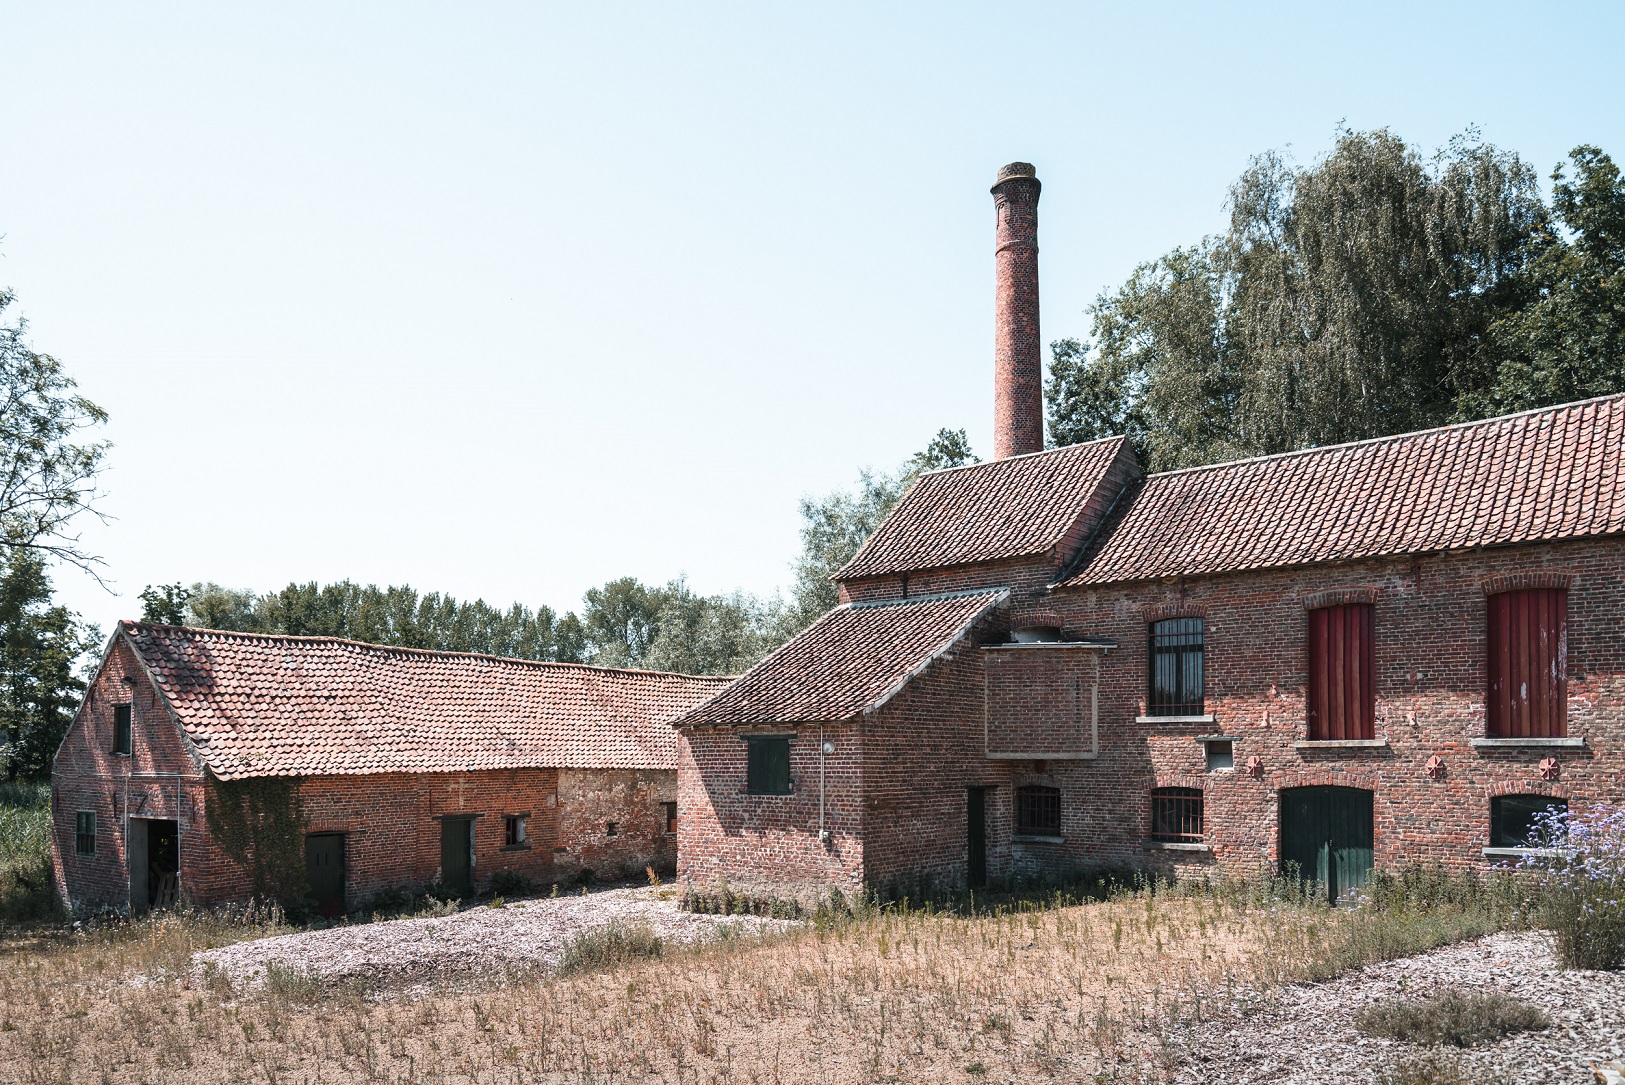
(40,645)
(622,621)
(711,634)
(47,472)
(834,526)
(1350,299)
(1568,341)
(164,604)
(210,606)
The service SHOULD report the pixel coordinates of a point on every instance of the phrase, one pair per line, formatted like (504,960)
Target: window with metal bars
(1176,668)
(84,837)
(1038,810)
(1342,701)
(1176,815)
(1528,664)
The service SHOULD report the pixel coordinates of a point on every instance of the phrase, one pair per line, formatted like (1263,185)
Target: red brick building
(408,767)
(1391,650)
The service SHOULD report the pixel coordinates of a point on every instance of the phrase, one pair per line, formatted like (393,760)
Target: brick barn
(1353,656)
(407,768)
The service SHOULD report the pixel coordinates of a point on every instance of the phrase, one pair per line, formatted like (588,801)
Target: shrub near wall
(1580,867)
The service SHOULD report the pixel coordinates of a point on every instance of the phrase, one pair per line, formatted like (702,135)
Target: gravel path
(1304,1034)
(468,946)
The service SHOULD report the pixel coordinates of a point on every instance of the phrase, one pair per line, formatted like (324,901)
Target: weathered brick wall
(591,799)
(1027,579)
(922,751)
(769,843)
(157,779)
(392,835)
(1430,692)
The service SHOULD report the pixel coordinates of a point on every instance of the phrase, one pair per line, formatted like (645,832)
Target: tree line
(623,623)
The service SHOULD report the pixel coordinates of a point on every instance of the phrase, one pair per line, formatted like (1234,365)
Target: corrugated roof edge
(841,572)
(127,623)
(1001,594)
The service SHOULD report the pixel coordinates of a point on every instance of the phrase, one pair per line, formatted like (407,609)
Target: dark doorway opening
(155,864)
(457,856)
(1326,837)
(324,872)
(976,836)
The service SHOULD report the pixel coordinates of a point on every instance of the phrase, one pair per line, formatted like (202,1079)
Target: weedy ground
(1040,990)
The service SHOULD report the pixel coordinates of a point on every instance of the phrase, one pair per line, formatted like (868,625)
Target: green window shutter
(767,765)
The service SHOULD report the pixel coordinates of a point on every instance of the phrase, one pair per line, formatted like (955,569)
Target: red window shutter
(1342,693)
(1528,663)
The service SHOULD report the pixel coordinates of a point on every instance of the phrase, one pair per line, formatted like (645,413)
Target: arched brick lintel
(1174,779)
(1325,778)
(1339,597)
(1526,787)
(1156,612)
(1494,585)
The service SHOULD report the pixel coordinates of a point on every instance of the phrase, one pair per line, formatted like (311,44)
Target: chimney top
(1016,170)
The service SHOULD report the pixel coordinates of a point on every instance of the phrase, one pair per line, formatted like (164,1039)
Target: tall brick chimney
(1018,359)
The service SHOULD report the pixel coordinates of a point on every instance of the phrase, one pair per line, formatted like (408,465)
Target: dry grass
(1460,1019)
(1045,994)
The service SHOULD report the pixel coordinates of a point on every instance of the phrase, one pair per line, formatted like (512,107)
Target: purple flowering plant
(1578,864)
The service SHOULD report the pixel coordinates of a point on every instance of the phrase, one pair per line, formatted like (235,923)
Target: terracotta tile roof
(308,706)
(1548,474)
(1004,509)
(850,660)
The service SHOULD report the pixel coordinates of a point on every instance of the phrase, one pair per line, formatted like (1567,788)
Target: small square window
(768,765)
(670,809)
(1038,810)
(84,824)
(121,728)
(612,828)
(1512,819)
(514,831)
(1220,756)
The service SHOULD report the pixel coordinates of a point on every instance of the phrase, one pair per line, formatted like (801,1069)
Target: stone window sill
(514,847)
(1340,743)
(1519,853)
(1498,743)
(1174,845)
(1175,719)
(1035,838)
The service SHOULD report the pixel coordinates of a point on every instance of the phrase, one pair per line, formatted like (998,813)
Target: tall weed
(1579,865)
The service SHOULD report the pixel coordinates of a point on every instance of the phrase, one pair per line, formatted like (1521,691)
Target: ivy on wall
(260,824)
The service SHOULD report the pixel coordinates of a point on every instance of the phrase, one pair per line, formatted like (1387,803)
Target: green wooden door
(1326,837)
(324,871)
(455,864)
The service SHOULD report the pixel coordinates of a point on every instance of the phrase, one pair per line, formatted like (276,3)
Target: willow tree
(1349,299)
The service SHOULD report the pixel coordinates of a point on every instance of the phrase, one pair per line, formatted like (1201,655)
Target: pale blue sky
(507,300)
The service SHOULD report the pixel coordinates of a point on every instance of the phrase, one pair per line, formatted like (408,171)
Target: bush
(1580,869)
(26,892)
(1451,1018)
(511,883)
(618,943)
